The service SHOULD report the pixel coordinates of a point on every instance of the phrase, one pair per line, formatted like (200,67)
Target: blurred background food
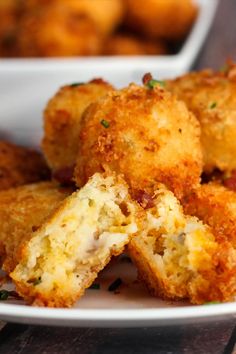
(57,28)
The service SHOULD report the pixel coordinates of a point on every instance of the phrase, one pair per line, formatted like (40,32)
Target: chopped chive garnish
(105,123)
(95,286)
(212,303)
(4,294)
(153,83)
(76,84)
(213,105)
(115,285)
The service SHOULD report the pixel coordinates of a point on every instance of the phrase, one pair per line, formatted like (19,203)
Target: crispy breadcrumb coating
(20,165)
(62,121)
(169,19)
(178,257)
(216,206)
(64,256)
(211,96)
(144,133)
(23,210)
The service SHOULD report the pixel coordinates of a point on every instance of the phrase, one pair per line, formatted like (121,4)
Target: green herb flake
(115,285)
(213,105)
(153,83)
(76,84)
(224,68)
(212,303)
(105,123)
(4,294)
(95,286)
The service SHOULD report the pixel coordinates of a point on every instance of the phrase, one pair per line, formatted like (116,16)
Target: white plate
(131,307)
(25,87)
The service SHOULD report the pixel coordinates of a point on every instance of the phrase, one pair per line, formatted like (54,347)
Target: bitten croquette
(178,257)
(64,256)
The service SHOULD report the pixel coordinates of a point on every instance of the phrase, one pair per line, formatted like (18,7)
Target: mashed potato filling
(66,254)
(173,251)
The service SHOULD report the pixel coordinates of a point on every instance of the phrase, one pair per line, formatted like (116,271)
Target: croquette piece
(62,118)
(57,30)
(144,133)
(20,165)
(23,210)
(105,14)
(168,19)
(211,96)
(178,257)
(64,256)
(216,206)
(124,44)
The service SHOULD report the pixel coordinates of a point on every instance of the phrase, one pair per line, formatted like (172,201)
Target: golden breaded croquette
(56,30)
(124,44)
(62,118)
(178,257)
(211,97)
(105,14)
(64,256)
(23,210)
(169,19)
(144,133)
(216,206)
(20,165)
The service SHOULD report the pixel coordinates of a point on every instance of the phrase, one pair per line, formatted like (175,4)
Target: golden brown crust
(211,97)
(124,44)
(22,211)
(20,165)
(216,206)
(169,19)
(151,138)
(62,120)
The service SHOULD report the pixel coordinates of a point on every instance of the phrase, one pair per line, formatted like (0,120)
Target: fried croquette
(64,256)
(20,165)
(144,133)
(123,44)
(62,121)
(169,19)
(211,97)
(216,206)
(56,30)
(178,257)
(23,210)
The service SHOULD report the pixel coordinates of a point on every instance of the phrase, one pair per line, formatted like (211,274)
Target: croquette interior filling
(64,252)
(180,245)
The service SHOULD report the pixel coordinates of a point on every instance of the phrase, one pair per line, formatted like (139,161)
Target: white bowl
(27,84)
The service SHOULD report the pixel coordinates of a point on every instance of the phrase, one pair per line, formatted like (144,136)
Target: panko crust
(211,97)
(62,121)
(145,134)
(22,211)
(169,19)
(20,165)
(216,206)
(8,14)
(178,257)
